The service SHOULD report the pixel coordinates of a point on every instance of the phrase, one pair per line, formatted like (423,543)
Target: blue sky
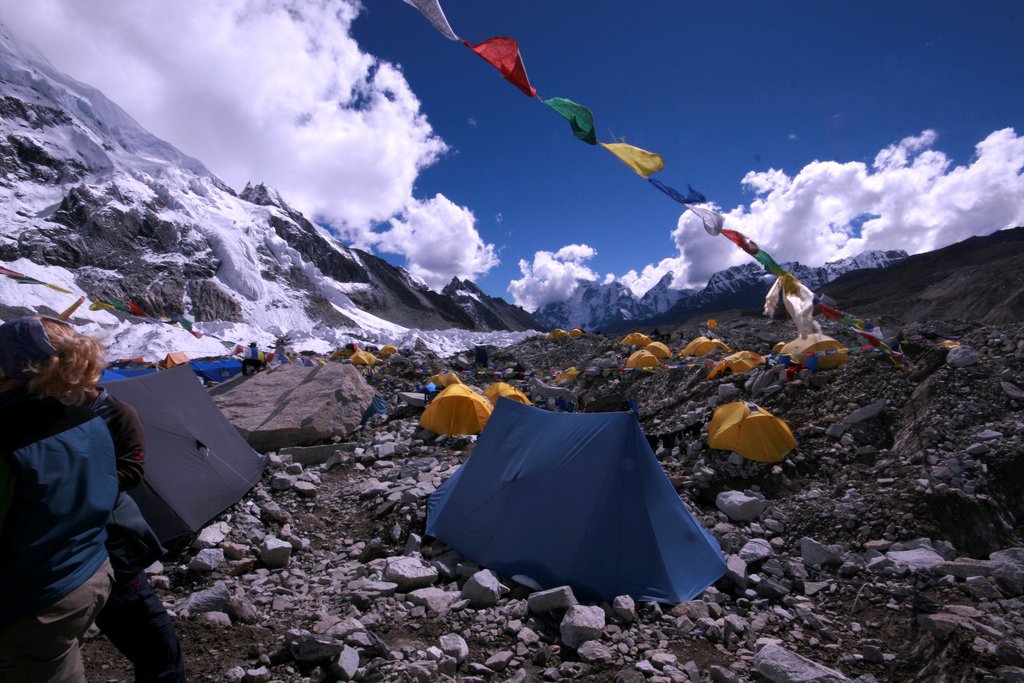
(718,89)
(819,129)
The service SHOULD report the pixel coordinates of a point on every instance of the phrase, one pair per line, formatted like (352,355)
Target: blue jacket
(65,485)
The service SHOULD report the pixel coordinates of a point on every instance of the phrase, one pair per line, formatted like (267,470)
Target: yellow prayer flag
(640,160)
(59,289)
(100,306)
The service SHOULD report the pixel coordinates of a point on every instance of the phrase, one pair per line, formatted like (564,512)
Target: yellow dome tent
(176,358)
(778,347)
(567,375)
(456,410)
(493,391)
(659,350)
(642,359)
(751,431)
(557,333)
(636,339)
(575,332)
(741,361)
(816,343)
(363,358)
(701,346)
(445,380)
(388,351)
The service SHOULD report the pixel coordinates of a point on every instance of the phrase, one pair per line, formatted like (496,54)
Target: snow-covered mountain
(595,306)
(612,306)
(86,190)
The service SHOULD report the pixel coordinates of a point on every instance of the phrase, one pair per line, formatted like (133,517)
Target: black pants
(251,366)
(137,624)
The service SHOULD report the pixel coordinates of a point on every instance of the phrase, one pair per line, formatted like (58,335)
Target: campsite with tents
(430,517)
(426,393)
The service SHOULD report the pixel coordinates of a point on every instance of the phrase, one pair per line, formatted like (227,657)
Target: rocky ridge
(888,546)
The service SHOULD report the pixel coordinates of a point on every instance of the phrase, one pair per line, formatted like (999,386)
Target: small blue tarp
(114,374)
(574,499)
(219,370)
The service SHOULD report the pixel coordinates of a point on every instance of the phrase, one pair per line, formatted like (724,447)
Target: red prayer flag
(742,241)
(136,310)
(503,54)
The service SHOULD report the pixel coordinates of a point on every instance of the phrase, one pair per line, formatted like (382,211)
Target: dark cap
(23,343)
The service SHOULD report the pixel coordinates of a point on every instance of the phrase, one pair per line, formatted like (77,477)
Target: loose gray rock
(816,554)
(409,573)
(433,598)
(779,665)
(543,602)
(865,413)
(755,550)
(1012,390)
(580,624)
(624,609)
(346,665)
(482,589)
(962,356)
(736,570)
(305,489)
(918,559)
(499,660)
(454,645)
(211,536)
(594,651)
(739,506)
(275,553)
(207,560)
(213,599)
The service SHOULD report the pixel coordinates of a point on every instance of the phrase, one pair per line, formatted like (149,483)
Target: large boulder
(295,405)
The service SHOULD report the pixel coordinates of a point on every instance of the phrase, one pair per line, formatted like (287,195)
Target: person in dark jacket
(57,487)
(134,619)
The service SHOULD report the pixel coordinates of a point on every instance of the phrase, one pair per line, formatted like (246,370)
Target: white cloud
(552,276)
(915,198)
(439,240)
(275,91)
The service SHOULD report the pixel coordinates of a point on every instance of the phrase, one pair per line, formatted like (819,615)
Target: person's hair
(68,375)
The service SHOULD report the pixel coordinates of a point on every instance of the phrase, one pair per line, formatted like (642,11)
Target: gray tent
(197,464)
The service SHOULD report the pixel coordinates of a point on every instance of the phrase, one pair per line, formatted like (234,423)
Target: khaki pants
(43,647)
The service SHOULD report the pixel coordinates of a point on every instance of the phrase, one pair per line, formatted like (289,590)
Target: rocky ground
(887,547)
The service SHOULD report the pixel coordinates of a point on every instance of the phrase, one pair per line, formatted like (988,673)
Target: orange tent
(457,410)
(701,346)
(643,359)
(445,380)
(497,389)
(636,339)
(659,350)
(172,359)
(363,358)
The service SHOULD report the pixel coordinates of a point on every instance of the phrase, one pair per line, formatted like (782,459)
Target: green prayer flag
(580,118)
(769,263)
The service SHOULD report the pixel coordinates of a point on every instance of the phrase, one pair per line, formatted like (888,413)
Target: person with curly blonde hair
(58,484)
